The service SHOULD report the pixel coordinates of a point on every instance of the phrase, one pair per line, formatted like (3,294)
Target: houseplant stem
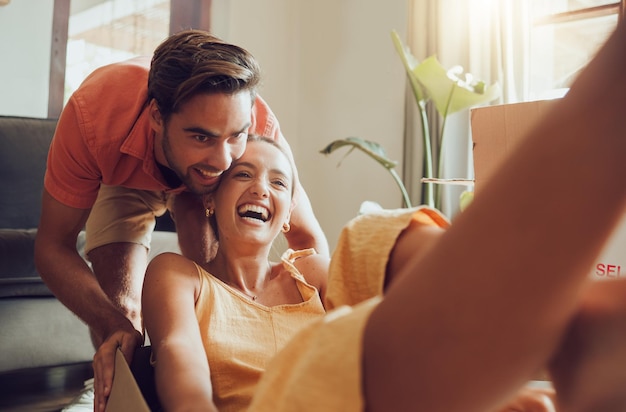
(428,197)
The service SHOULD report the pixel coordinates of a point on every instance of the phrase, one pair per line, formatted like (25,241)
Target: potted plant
(450,91)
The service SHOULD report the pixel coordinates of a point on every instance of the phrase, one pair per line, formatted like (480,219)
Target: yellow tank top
(240,336)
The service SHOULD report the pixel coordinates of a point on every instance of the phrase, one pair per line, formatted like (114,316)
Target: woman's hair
(192,62)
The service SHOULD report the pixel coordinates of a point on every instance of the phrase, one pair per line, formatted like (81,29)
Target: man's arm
(66,273)
(71,280)
(306,231)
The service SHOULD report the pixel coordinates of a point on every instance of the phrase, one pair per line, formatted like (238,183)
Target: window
(87,34)
(565,34)
(109,31)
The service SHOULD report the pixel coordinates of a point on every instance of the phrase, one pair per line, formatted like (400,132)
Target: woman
(213,328)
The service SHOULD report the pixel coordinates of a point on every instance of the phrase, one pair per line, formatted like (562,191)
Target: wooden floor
(42,389)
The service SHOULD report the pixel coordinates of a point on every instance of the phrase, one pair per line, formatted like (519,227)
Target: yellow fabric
(240,336)
(358,265)
(320,369)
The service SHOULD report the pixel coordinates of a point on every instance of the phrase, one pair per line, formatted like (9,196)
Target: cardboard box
(125,392)
(496,130)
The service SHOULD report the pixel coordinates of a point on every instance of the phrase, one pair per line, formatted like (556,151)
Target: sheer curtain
(488,38)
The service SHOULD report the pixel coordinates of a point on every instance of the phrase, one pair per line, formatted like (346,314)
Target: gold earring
(208,212)
(286,227)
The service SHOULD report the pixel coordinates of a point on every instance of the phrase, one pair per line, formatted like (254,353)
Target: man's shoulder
(125,71)
(123,85)
(111,100)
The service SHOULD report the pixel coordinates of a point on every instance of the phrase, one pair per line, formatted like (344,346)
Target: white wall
(25,30)
(330,71)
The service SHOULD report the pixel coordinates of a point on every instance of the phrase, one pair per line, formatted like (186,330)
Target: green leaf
(376,152)
(470,94)
(435,80)
(409,63)
(372,149)
(448,91)
(465,199)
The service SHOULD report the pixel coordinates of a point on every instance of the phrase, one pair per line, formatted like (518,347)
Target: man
(131,143)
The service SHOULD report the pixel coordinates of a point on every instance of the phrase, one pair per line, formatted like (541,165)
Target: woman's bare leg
(487,306)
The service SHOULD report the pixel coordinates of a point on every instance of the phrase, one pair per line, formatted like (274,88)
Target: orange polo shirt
(104,136)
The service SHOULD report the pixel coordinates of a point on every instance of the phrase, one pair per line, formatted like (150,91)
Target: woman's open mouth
(251,211)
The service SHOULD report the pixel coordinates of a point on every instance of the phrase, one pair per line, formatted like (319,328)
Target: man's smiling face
(202,139)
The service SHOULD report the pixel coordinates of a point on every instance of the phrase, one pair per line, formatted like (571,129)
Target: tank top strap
(288,258)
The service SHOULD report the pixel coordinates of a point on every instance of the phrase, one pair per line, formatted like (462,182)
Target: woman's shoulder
(170,276)
(169,258)
(314,269)
(172,264)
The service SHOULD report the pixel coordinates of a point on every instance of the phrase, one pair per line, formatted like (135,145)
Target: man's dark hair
(192,62)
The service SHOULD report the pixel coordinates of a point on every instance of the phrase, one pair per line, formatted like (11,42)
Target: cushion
(18,275)
(17,248)
(24,144)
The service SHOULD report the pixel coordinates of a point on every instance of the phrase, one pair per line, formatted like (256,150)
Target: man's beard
(184,177)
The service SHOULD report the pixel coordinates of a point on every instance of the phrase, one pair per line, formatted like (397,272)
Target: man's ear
(156,120)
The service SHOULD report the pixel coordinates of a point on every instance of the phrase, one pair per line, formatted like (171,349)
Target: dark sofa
(35,328)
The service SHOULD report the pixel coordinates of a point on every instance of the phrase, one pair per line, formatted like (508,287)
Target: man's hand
(104,362)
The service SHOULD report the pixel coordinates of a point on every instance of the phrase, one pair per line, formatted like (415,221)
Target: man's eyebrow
(205,132)
(200,130)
